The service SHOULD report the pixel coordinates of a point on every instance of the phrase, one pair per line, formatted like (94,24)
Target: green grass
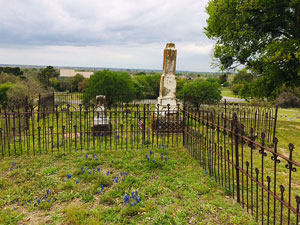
(226,92)
(172,192)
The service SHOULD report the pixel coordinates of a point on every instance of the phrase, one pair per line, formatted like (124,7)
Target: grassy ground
(226,92)
(177,191)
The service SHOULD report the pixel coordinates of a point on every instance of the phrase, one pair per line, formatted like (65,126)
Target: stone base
(102,130)
(164,102)
(101,120)
(167,124)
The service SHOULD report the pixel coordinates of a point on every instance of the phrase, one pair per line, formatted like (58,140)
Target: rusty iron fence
(234,152)
(32,131)
(264,181)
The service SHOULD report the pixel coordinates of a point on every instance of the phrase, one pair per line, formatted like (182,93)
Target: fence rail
(264,181)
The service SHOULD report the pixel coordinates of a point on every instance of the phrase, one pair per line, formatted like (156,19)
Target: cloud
(121,29)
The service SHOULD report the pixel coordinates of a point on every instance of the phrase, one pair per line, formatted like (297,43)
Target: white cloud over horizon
(116,33)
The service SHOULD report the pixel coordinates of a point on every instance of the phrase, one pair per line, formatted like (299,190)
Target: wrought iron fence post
(237,166)
(183,123)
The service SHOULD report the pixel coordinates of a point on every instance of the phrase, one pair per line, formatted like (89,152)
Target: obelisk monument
(167,92)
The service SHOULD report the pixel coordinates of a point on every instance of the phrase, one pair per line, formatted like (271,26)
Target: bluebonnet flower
(48,200)
(147,157)
(161,157)
(48,192)
(93,170)
(96,159)
(11,169)
(13,163)
(117,179)
(89,172)
(164,147)
(158,146)
(29,202)
(134,202)
(151,152)
(132,194)
(77,181)
(213,179)
(136,193)
(206,172)
(93,155)
(131,204)
(98,168)
(38,201)
(107,173)
(126,198)
(69,176)
(45,197)
(153,160)
(126,174)
(118,137)
(102,186)
(121,174)
(86,155)
(166,159)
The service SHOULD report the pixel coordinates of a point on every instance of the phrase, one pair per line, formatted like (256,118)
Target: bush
(288,99)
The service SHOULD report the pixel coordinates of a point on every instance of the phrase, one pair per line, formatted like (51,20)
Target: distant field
(226,92)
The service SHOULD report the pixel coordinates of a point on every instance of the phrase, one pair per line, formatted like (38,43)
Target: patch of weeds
(8,216)
(130,211)
(87,196)
(76,215)
(50,171)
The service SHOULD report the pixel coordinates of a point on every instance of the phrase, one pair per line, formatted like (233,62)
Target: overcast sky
(102,33)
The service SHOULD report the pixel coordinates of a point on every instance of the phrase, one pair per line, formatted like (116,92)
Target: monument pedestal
(102,126)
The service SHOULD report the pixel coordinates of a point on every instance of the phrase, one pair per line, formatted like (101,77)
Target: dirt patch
(284,151)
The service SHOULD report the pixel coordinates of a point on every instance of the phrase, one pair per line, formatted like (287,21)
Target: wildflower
(126,198)
(131,204)
(48,192)
(48,200)
(86,155)
(117,179)
(132,194)
(137,199)
(77,181)
(147,157)
(153,160)
(166,159)
(107,173)
(89,172)
(29,202)
(45,197)
(98,168)
(212,179)
(11,169)
(121,174)
(13,163)
(96,159)
(102,186)
(93,155)
(151,152)
(38,201)
(206,172)
(135,202)
(126,174)
(158,146)
(93,170)
(69,176)
(161,157)
(136,193)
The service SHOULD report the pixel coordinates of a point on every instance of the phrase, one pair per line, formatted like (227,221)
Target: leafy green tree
(4,88)
(75,81)
(46,74)
(223,78)
(263,36)
(11,70)
(201,92)
(117,87)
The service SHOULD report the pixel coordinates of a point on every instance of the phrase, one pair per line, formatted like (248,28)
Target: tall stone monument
(167,92)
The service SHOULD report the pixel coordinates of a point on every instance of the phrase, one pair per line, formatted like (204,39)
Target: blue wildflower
(135,202)
(38,201)
(96,159)
(126,198)
(69,176)
(121,174)
(11,169)
(93,155)
(48,200)
(153,160)
(131,204)
(147,157)
(90,172)
(166,159)
(126,174)
(151,152)
(102,186)
(132,194)
(77,181)
(13,163)
(107,173)
(29,202)
(98,169)
(117,179)
(161,157)
(137,199)
(86,155)
(158,146)
(206,172)
(136,193)
(45,197)
(48,192)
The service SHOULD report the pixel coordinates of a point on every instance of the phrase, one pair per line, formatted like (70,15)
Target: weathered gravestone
(167,119)
(102,126)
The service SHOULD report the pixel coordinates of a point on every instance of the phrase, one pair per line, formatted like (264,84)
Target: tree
(263,36)
(223,78)
(11,70)
(117,87)
(4,88)
(75,81)
(46,74)
(201,92)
